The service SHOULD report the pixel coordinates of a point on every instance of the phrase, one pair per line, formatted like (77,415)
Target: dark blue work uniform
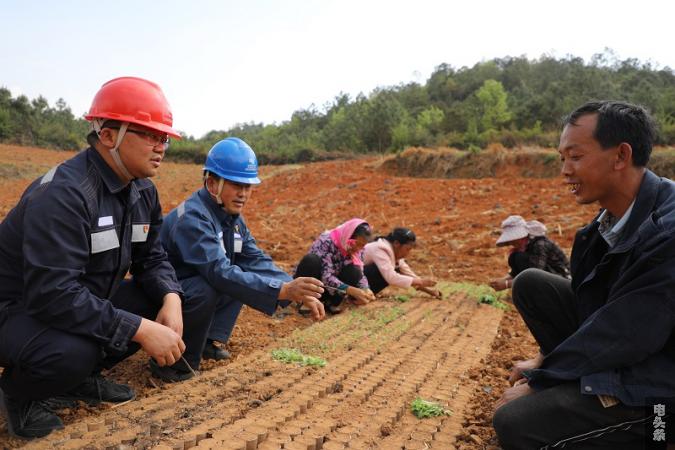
(65,249)
(219,267)
(625,301)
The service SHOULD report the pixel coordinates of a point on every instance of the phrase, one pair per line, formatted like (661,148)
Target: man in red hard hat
(66,309)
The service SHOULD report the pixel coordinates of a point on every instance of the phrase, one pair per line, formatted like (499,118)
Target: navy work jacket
(625,298)
(203,240)
(70,241)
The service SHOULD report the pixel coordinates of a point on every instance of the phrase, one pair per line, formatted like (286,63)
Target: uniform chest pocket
(139,232)
(105,240)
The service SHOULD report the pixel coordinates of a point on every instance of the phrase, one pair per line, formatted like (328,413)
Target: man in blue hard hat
(218,263)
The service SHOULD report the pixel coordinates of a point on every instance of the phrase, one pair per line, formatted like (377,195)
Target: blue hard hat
(233,159)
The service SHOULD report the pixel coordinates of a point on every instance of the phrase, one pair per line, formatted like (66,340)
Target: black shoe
(170,374)
(28,418)
(57,403)
(96,389)
(211,351)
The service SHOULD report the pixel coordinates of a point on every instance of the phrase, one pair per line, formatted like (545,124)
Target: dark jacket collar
(109,177)
(643,208)
(112,181)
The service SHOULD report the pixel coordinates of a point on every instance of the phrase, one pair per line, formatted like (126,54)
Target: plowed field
(379,358)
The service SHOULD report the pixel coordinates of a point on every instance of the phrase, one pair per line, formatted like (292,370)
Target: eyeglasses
(149,137)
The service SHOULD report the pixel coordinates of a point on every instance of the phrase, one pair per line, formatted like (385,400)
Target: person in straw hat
(530,248)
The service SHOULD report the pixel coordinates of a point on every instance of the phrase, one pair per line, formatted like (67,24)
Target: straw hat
(513,228)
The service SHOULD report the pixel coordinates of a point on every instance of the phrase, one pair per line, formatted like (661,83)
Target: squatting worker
(530,248)
(218,263)
(606,337)
(66,310)
(385,265)
(336,257)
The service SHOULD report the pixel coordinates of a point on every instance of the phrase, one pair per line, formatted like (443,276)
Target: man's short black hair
(620,122)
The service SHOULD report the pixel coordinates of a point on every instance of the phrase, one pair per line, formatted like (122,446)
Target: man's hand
(316,307)
(306,291)
(160,342)
(521,366)
(171,313)
(519,390)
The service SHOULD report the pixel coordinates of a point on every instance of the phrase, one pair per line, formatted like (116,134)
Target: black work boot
(96,389)
(170,374)
(28,418)
(211,351)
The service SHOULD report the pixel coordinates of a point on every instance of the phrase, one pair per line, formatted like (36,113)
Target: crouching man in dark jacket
(606,337)
(66,310)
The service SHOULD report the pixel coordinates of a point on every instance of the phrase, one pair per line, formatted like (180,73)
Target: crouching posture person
(335,258)
(384,263)
(530,248)
(606,337)
(218,263)
(66,311)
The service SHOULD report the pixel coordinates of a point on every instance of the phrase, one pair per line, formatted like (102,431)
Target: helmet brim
(157,126)
(242,180)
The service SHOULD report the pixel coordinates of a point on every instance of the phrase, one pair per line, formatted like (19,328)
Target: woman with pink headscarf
(336,259)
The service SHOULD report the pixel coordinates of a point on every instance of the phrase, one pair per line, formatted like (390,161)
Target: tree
(493,111)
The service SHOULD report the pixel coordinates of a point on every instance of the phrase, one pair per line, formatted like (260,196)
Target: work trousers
(375,279)
(311,266)
(207,314)
(561,416)
(41,361)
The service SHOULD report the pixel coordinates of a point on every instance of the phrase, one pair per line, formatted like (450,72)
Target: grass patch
(356,329)
(402,298)
(9,171)
(491,300)
(481,293)
(423,408)
(291,355)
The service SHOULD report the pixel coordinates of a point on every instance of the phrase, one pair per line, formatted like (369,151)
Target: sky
(224,62)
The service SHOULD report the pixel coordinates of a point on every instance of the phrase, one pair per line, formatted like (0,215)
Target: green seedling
(402,298)
(492,300)
(423,408)
(291,355)
(388,316)
(481,293)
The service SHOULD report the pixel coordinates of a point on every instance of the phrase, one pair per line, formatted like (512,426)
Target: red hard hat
(135,100)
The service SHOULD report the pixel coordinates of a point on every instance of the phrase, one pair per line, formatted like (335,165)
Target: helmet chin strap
(114,152)
(221,183)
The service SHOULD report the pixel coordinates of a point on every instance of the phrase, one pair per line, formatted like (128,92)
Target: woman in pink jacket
(384,263)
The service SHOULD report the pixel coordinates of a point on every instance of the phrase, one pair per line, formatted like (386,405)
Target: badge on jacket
(139,232)
(238,243)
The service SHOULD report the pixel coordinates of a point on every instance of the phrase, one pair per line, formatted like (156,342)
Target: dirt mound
(495,161)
